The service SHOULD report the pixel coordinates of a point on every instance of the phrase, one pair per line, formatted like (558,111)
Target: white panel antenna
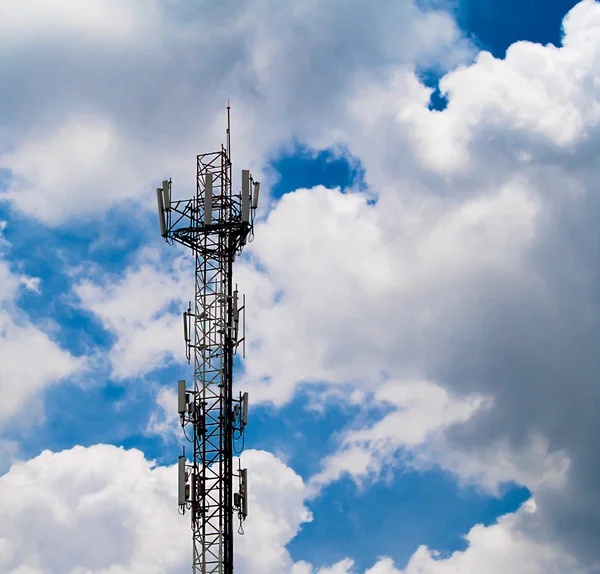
(208,197)
(166,195)
(244,409)
(161,212)
(182,480)
(255,196)
(181,398)
(245,195)
(244,492)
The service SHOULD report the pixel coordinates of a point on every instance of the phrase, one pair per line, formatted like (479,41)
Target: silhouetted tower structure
(215,225)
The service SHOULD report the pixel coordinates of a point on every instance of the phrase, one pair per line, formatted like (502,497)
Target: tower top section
(217,208)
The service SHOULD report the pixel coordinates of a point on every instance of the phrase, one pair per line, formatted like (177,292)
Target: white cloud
(28,20)
(421,412)
(506,546)
(90,510)
(30,360)
(124,104)
(414,436)
(143,309)
(538,101)
(502,547)
(533,464)
(353,289)
(342,567)
(475,269)
(276,513)
(107,510)
(164,420)
(83,154)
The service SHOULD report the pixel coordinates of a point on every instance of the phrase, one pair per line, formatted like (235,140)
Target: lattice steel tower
(215,225)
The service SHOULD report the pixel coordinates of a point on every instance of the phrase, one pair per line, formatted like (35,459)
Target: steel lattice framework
(215,225)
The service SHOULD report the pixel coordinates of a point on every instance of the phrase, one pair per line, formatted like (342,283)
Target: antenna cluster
(216,225)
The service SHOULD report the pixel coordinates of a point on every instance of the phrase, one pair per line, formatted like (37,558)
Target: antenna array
(215,225)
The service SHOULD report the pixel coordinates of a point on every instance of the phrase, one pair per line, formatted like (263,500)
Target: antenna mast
(228,131)
(215,225)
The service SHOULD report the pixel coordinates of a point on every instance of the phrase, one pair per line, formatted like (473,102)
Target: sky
(423,294)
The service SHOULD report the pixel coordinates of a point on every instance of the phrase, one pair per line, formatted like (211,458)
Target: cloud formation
(30,360)
(494,549)
(103,509)
(476,268)
(143,310)
(473,269)
(422,411)
(135,88)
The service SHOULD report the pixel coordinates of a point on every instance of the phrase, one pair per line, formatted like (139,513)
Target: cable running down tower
(216,225)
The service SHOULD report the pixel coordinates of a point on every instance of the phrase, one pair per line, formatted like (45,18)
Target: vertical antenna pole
(229,132)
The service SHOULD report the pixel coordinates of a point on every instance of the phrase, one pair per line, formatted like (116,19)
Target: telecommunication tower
(215,225)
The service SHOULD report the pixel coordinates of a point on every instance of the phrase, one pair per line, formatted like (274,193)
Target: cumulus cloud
(481,267)
(85,153)
(276,512)
(476,268)
(105,509)
(30,360)
(528,337)
(142,309)
(498,548)
(414,434)
(135,92)
(347,290)
(87,510)
(164,420)
(422,411)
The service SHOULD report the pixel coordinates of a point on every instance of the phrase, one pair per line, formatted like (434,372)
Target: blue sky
(497,25)
(390,514)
